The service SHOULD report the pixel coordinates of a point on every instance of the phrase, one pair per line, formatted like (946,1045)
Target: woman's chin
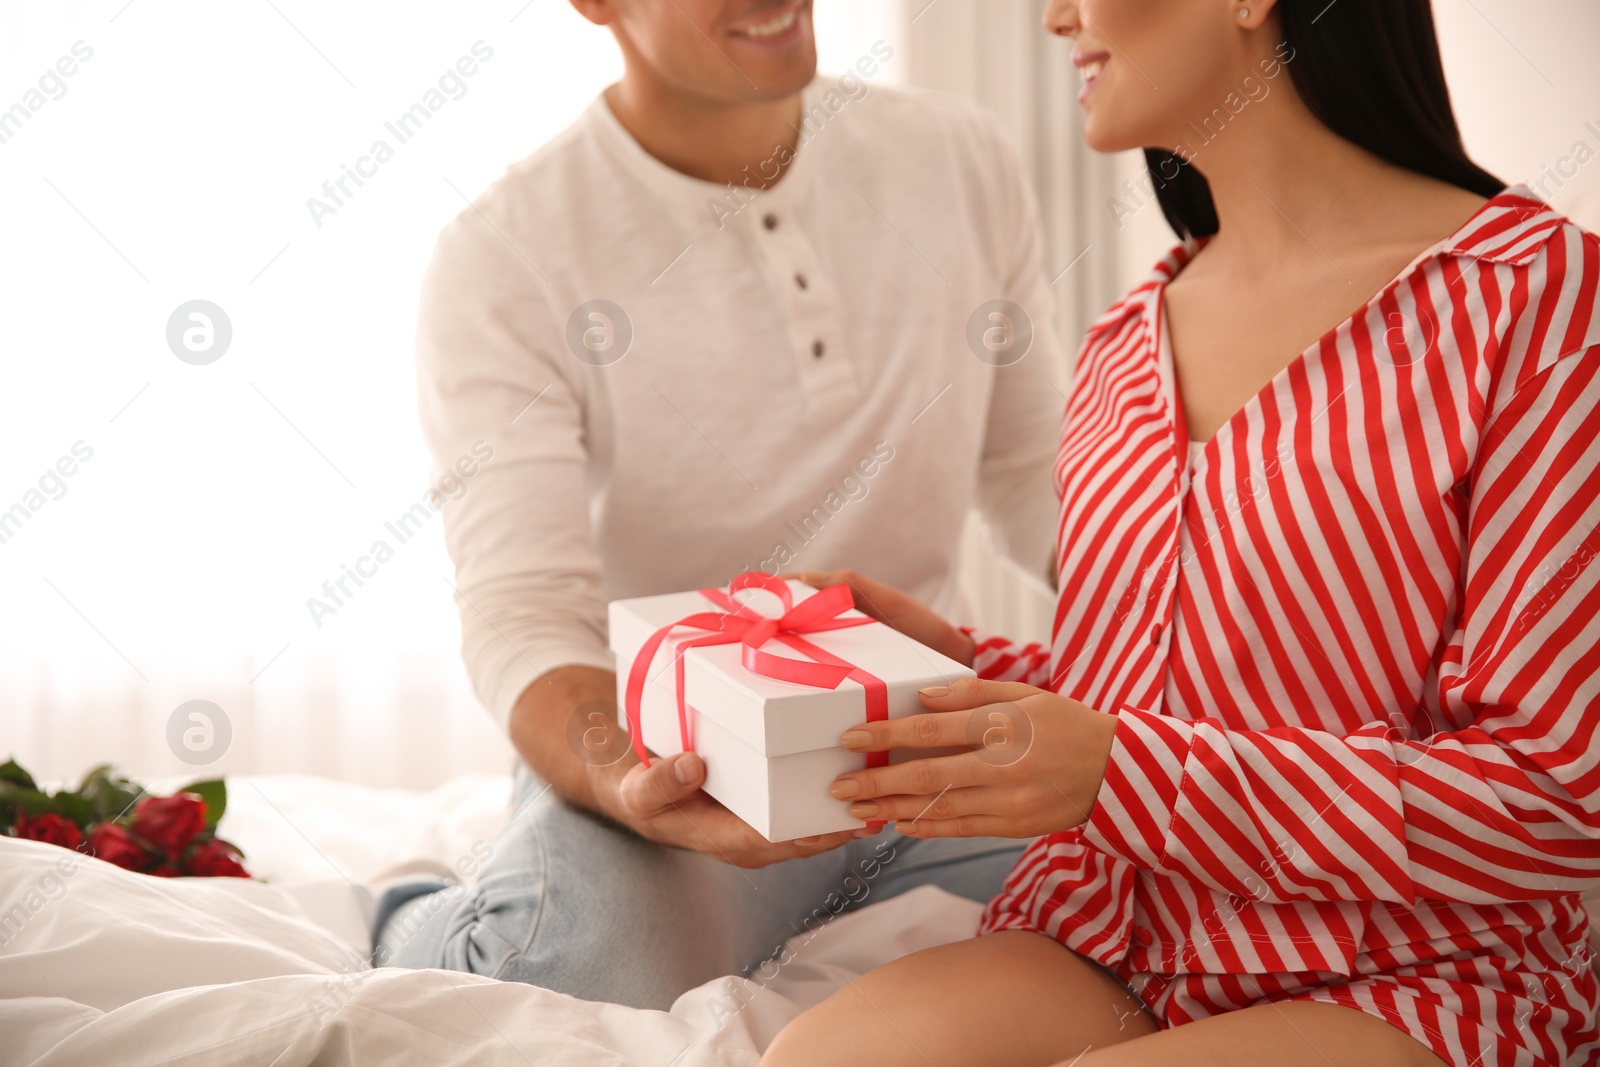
(1102,136)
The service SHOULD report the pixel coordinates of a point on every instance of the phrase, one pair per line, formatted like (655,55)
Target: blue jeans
(569,901)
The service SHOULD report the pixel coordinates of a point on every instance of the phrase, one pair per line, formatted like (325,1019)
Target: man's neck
(739,143)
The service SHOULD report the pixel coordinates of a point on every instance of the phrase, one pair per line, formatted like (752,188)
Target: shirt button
(1155,634)
(800,280)
(817,348)
(770,221)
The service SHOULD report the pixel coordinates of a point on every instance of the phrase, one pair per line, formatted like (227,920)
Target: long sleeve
(527,571)
(1016,495)
(1502,801)
(997,659)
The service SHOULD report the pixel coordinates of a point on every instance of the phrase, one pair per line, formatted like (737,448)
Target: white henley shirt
(781,379)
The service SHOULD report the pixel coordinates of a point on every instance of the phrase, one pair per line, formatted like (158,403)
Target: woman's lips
(1090,65)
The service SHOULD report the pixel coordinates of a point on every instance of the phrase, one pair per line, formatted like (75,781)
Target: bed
(101,966)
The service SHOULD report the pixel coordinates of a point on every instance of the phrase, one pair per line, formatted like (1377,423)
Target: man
(734,318)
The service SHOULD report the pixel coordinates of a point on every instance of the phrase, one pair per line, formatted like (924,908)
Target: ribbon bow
(739,622)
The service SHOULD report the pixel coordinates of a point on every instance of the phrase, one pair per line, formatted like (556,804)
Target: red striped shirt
(1354,648)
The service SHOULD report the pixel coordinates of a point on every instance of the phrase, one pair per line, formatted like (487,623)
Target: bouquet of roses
(112,818)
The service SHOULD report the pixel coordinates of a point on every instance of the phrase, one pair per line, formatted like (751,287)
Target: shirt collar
(694,194)
(1511,228)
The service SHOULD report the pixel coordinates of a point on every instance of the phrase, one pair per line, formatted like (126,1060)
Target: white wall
(1525,81)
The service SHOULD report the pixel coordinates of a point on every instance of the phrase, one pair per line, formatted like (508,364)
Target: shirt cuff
(1138,799)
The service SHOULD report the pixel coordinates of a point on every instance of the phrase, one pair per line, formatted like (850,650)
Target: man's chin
(778,83)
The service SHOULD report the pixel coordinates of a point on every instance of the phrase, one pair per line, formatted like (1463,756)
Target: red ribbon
(739,622)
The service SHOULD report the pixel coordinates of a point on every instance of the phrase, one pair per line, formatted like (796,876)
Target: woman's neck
(1281,180)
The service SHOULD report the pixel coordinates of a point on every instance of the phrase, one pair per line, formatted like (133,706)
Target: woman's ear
(1249,14)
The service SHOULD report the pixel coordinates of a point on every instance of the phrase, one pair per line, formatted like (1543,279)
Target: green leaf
(93,773)
(14,798)
(110,794)
(77,808)
(11,771)
(215,793)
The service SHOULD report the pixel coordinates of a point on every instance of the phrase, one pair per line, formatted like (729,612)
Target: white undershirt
(710,447)
(1166,369)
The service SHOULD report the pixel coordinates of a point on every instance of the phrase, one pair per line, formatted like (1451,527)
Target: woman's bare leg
(1010,999)
(1270,1035)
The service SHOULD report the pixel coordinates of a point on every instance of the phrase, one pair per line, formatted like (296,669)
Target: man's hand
(897,609)
(565,726)
(664,802)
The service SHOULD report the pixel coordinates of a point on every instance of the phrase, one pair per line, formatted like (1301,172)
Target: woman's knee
(1008,998)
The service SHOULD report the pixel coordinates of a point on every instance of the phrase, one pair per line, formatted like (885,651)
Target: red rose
(50,828)
(214,859)
(170,823)
(114,844)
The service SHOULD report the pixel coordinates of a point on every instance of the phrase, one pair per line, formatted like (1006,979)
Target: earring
(1244,12)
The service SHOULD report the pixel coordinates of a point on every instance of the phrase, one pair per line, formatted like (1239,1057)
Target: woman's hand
(898,609)
(1034,763)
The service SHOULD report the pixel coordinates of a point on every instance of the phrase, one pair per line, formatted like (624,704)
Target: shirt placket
(813,319)
(1160,596)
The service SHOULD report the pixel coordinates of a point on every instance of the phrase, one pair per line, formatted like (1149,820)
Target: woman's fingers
(989,724)
(918,777)
(962,826)
(936,730)
(966,693)
(948,804)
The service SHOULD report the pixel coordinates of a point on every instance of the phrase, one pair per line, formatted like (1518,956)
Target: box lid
(772,716)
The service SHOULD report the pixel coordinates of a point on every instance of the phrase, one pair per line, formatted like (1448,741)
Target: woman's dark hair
(1369,70)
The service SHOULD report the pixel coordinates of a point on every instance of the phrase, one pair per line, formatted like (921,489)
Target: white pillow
(76,927)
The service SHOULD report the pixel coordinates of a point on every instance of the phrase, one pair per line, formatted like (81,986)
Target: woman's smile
(1090,65)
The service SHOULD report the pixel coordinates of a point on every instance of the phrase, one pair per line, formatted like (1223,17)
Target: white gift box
(771,748)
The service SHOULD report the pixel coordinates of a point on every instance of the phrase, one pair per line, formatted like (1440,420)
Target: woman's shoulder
(1532,273)
(1141,301)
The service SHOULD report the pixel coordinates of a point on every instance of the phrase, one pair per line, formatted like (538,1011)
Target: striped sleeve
(1499,801)
(998,659)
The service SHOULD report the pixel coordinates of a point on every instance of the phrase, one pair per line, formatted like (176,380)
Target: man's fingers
(646,791)
(810,845)
(871,598)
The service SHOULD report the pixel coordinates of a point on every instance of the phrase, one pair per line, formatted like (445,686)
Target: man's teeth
(1090,71)
(778,25)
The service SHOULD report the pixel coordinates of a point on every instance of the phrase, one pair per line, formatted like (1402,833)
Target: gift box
(760,679)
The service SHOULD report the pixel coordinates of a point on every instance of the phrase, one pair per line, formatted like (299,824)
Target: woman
(1313,745)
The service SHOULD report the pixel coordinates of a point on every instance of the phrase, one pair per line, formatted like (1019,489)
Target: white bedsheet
(99,966)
